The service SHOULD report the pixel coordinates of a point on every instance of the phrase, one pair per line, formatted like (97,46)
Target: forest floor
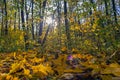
(32,65)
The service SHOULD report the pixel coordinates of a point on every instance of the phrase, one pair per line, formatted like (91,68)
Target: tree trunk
(41,17)
(66,24)
(2,24)
(32,22)
(106,7)
(91,1)
(6,19)
(27,14)
(45,37)
(22,16)
(114,10)
(15,15)
(59,21)
(18,3)
(23,26)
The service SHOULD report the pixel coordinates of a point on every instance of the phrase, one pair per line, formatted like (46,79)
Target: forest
(59,39)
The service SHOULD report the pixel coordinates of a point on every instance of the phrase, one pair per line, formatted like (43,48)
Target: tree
(32,21)
(27,14)
(59,21)
(19,9)
(66,24)
(106,7)
(2,22)
(114,11)
(23,25)
(92,2)
(22,15)
(6,18)
(45,37)
(42,10)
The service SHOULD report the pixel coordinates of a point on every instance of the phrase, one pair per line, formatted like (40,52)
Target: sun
(49,20)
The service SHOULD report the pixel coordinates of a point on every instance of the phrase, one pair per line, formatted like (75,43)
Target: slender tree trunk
(114,10)
(32,22)
(42,17)
(18,3)
(27,14)
(106,7)
(23,26)
(59,21)
(45,37)
(36,32)
(6,19)
(119,2)
(15,20)
(91,1)
(15,15)
(66,24)
(78,18)
(22,16)
(2,24)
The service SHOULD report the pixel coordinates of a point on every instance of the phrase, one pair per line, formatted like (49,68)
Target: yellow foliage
(114,65)
(26,71)
(37,67)
(15,67)
(106,77)
(9,77)
(74,50)
(41,69)
(113,68)
(64,49)
(77,56)
(76,70)
(15,78)
(38,60)
(14,55)
(71,19)
(60,63)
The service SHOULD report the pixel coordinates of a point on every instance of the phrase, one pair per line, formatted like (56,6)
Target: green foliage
(95,35)
(12,42)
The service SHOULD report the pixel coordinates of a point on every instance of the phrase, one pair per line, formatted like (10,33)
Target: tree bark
(91,1)
(59,21)
(23,26)
(6,19)
(33,37)
(114,10)
(27,14)
(22,15)
(45,37)
(106,7)
(41,17)
(2,24)
(66,24)
(18,3)
(15,15)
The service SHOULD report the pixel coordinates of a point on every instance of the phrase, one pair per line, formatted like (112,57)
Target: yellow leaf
(15,78)
(64,49)
(114,65)
(106,77)
(15,67)
(14,55)
(73,71)
(41,70)
(9,77)
(117,73)
(26,71)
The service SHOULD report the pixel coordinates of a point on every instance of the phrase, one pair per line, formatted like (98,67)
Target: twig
(113,54)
